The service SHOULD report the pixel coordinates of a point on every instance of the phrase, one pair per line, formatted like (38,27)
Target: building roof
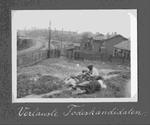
(72,46)
(76,44)
(123,45)
(114,38)
(99,37)
(69,47)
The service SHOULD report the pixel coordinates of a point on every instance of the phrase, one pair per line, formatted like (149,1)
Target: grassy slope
(58,69)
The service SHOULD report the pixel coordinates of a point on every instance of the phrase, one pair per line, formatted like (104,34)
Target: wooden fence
(77,55)
(33,57)
(90,56)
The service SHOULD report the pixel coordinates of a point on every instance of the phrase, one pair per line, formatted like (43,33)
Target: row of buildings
(116,47)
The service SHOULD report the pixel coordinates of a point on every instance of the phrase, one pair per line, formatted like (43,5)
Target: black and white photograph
(74,55)
(74,62)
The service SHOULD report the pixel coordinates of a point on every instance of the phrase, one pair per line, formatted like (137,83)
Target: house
(108,44)
(70,50)
(94,48)
(96,45)
(99,48)
(91,45)
(23,42)
(122,50)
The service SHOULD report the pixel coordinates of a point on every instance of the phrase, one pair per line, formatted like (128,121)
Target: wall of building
(122,53)
(109,45)
(97,46)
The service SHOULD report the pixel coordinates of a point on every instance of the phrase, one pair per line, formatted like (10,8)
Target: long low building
(122,50)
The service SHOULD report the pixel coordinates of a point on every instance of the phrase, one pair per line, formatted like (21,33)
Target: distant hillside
(55,34)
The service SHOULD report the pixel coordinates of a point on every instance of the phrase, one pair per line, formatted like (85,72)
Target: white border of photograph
(134,81)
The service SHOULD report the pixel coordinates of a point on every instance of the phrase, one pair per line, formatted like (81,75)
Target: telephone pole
(61,42)
(49,40)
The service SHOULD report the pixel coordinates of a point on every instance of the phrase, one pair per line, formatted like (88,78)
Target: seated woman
(92,70)
(95,73)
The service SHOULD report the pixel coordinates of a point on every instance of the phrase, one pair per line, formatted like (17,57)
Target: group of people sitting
(88,76)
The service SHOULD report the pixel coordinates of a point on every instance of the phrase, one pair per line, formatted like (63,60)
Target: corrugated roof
(123,45)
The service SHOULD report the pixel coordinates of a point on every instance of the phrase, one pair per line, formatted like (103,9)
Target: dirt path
(38,43)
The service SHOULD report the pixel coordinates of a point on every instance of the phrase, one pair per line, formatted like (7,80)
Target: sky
(102,21)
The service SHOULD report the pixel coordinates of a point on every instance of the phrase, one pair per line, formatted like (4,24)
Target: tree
(85,36)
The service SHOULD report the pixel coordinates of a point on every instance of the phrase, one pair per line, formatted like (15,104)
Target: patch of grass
(118,85)
(44,84)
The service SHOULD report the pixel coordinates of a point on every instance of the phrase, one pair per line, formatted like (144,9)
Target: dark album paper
(74,62)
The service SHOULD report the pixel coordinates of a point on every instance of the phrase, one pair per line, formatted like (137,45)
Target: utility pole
(61,41)
(49,40)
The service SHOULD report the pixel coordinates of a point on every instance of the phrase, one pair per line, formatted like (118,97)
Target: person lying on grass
(87,76)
